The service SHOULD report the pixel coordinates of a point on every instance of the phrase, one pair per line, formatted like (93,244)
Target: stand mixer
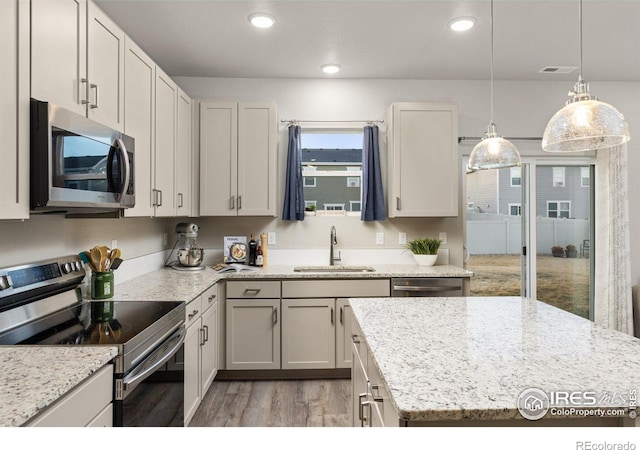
(189,254)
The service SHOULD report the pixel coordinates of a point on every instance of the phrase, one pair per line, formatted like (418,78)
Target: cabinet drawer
(79,407)
(253,289)
(335,288)
(193,311)
(209,297)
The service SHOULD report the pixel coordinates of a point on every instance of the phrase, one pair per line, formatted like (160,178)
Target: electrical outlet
(443,237)
(379,238)
(402,238)
(114,243)
(271,238)
(165,239)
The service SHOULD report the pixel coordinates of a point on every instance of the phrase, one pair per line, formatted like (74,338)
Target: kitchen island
(467,360)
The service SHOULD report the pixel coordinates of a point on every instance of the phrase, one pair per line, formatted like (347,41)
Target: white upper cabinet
(139,109)
(77,59)
(183,154)
(165,144)
(424,164)
(238,151)
(105,64)
(14,109)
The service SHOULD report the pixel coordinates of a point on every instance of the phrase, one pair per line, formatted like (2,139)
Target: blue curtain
(293,194)
(372,196)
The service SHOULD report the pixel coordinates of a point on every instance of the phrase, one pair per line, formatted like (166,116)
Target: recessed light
(262,20)
(330,68)
(462,23)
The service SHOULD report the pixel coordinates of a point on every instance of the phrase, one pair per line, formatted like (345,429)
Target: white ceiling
(385,39)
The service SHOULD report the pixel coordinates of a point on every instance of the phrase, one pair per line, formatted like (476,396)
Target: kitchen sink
(334,269)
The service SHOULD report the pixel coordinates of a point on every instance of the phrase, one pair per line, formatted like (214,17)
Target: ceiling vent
(557,69)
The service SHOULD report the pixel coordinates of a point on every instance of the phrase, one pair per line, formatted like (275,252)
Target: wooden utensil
(104,254)
(95,256)
(115,253)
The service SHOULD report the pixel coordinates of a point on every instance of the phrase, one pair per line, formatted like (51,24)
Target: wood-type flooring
(280,403)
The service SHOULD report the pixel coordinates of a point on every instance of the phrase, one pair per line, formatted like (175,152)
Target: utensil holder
(102,285)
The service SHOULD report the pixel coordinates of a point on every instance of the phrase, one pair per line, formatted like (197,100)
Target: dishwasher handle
(426,288)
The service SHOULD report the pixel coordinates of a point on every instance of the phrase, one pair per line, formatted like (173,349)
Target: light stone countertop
(173,285)
(32,378)
(470,357)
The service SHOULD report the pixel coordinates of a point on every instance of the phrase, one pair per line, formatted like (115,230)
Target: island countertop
(469,358)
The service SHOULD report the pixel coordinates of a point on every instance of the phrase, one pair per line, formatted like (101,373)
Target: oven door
(152,393)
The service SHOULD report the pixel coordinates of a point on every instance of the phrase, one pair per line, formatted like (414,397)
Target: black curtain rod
(474,138)
(331,121)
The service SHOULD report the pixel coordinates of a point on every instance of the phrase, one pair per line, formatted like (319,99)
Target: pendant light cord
(491,103)
(580,37)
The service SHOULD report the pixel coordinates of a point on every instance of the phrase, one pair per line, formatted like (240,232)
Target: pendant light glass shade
(585,124)
(493,152)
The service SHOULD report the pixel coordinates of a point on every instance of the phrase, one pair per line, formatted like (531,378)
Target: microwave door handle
(126,166)
(110,182)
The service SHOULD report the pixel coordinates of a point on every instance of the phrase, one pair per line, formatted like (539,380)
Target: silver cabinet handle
(206,334)
(159,203)
(193,314)
(368,418)
(355,338)
(202,339)
(332,314)
(239,201)
(211,298)
(398,203)
(180,200)
(252,291)
(341,315)
(85,100)
(275,315)
(361,404)
(95,87)
(232,202)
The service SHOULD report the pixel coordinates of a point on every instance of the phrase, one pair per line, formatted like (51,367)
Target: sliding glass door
(529,232)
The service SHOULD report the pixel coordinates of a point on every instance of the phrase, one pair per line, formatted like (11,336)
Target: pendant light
(584,123)
(493,151)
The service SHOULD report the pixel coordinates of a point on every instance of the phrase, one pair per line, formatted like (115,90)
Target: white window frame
(559,176)
(353,202)
(558,211)
(304,181)
(334,206)
(518,205)
(585,175)
(515,173)
(353,182)
(308,203)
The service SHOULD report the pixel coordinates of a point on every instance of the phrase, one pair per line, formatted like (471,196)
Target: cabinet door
(105,67)
(209,349)
(165,144)
(139,104)
(191,348)
(59,53)
(343,333)
(257,153)
(424,161)
(218,158)
(253,334)
(183,155)
(359,389)
(14,109)
(308,334)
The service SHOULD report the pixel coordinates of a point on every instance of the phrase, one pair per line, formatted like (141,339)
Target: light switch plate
(402,238)
(443,237)
(379,238)
(271,237)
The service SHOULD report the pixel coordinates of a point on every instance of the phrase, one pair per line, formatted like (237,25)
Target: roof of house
(327,155)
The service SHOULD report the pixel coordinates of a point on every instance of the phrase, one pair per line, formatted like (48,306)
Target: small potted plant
(310,210)
(571,251)
(557,251)
(425,250)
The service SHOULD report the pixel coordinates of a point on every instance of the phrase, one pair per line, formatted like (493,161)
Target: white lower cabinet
(200,349)
(89,404)
(343,333)
(308,333)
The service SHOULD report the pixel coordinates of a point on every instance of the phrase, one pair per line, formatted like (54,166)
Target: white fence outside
(494,234)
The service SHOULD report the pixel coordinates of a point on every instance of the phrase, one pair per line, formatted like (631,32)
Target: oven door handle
(159,356)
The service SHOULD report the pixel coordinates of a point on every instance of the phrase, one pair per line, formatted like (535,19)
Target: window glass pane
(335,158)
(558,177)
(516,178)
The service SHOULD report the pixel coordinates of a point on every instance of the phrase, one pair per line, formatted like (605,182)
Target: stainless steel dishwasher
(426,287)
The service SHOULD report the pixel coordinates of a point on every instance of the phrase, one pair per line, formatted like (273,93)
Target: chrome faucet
(333,241)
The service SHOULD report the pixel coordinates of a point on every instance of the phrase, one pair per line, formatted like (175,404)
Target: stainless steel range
(41,304)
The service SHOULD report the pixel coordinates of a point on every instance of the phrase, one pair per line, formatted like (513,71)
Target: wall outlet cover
(379,238)
(271,238)
(402,238)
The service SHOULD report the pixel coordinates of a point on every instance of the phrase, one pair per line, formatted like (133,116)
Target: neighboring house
(562,192)
(332,178)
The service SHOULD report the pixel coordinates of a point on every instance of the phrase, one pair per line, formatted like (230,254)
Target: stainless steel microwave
(77,164)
